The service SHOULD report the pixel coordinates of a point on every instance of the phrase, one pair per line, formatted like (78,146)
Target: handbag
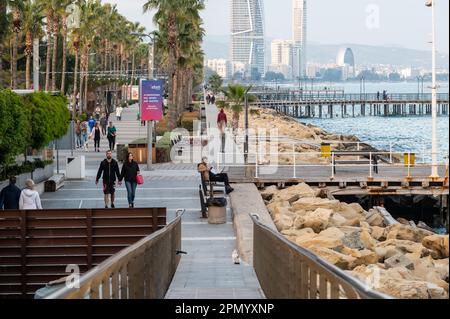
(139,180)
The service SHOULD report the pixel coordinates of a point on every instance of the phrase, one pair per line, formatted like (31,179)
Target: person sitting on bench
(209,174)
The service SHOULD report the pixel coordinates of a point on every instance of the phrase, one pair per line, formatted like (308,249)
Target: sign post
(151,108)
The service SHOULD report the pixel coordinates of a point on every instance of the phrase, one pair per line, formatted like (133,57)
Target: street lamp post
(246,146)
(434,142)
(151,75)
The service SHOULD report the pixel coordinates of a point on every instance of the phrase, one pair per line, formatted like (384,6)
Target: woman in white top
(29,198)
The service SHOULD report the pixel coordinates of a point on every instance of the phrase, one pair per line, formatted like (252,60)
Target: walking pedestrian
(104,123)
(109,171)
(208,99)
(130,172)
(112,134)
(78,139)
(84,134)
(97,113)
(213,100)
(10,195)
(378,95)
(119,111)
(91,124)
(29,198)
(375,163)
(222,123)
(96,136)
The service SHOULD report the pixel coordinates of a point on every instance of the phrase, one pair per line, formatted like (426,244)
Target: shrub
(49,118)
(14,127)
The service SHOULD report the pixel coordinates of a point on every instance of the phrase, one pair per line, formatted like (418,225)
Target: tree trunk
(81,80)
(47,66)
(172,68)
(27,72)
(64,57)
(14,61)
(55,52)
(75,75)
(86,81)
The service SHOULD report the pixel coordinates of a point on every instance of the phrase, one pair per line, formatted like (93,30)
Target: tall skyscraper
(282,57)
(247,34)
(299,28)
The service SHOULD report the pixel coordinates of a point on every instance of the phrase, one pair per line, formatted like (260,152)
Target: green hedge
(33,120)
(14,126)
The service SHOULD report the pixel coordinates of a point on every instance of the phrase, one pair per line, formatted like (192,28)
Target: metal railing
(366,161)
(269,97)
(142,271)
(288,271)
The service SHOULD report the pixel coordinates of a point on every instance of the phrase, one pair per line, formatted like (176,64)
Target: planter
(38,176)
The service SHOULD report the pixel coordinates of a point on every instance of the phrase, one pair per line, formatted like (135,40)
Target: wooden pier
(332,105)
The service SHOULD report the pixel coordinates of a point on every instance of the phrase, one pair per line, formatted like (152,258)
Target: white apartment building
(221,66)
(299,35)
(282,58)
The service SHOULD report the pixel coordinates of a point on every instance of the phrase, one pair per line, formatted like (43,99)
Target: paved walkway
(207,271)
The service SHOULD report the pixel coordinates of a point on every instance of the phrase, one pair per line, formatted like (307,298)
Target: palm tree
(17,8)
(49,21)
(235,98)
(170,14)
(33,15)
(3,32)
(64,16)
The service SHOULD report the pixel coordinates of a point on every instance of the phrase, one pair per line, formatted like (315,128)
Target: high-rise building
(299,28)
(221,66)
(247,34)
(282,57)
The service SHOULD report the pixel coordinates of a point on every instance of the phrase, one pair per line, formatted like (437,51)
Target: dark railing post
(23,251)
(89,235)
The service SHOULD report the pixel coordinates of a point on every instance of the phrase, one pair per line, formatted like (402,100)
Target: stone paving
(207,271)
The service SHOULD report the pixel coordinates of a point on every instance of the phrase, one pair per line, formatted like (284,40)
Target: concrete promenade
(207,271)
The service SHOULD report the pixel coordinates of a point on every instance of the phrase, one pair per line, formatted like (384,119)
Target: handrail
(128,274)
(305,264)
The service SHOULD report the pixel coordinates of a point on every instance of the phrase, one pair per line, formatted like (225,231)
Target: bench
(205,193)
(54,183)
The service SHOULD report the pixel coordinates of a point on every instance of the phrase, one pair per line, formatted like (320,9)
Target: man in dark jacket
(109,168)
(9,196)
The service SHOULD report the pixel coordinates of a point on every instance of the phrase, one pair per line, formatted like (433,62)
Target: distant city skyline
(400,23)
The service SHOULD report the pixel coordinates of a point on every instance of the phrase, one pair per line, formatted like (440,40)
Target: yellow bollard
(326,150)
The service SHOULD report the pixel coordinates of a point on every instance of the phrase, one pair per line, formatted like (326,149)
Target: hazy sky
(405,23)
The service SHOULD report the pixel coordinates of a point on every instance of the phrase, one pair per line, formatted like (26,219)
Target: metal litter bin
(217,210)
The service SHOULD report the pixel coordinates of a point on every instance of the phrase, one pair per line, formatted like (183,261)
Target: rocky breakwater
(292,132)
(398,260)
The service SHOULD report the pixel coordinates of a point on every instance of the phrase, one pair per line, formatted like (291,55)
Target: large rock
(438,244)
(405,232)
(353,240)
(367,240)
(284,221)
(273,206)
(398,282)
(351,211)
(294,193)
(378,233)
(338,220)
(426,269)
(362,257)
(374,218)
(399,260)
(268,193)
(318,220)
(340,260)
(404,246)
(298,232)
(319,242)
(333,232)
(312,203)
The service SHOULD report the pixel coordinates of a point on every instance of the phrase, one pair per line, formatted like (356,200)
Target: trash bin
(409,159)
(326,150)
(76,168)
(217,210)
